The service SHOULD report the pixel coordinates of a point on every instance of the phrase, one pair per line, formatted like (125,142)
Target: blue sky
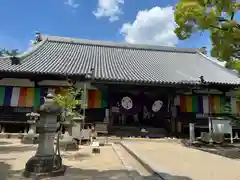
(134,21)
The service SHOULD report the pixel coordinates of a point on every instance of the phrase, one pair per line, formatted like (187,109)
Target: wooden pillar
(173,118)
(179,126)
(106,118)
(110,117)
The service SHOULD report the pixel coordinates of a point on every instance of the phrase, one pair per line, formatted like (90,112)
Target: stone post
(46,163)
(210,130)
(107,114)
(76,129)
(67,142)
(236,135)
(32,128)
(192,132)
(2,129)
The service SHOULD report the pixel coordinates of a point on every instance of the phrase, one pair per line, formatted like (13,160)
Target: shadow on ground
(76,156)
(7,174)
(6,149)
(4,143)
(231,151)
(75,174)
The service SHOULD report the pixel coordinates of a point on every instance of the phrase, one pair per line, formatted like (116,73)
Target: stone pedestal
(30,136)
(67,143)
(77,128)
(2,129)
(236,135)
(191,133)
(45,163)
(2,132)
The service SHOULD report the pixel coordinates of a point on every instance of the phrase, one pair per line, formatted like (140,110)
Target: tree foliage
(1,52)
(216,16)
(68,102)
(5,52)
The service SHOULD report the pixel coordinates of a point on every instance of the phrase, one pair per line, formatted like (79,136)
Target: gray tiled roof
(121,62)
(4,62)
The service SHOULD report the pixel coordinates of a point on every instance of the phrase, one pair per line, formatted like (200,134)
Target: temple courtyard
(169,159)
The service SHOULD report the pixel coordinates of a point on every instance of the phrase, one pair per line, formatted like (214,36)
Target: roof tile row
(120,62)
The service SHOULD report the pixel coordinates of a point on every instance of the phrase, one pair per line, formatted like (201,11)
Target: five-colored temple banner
(21,96)
(201,104)
(2,93)
(34,97)
(97,99)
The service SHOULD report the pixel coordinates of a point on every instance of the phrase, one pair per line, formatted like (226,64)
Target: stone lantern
(45,163)
(29,138)
(68,143)
(76,129)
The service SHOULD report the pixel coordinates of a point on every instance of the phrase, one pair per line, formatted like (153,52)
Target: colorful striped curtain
(205,105)
(200,104)
(238,107)
(21,97)
(97,99)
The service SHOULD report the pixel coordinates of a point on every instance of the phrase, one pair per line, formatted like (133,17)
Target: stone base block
(21,135)
(8,135)
(216,137)
(12,135)
(44,166)
(96,150)
(55,173)
(69,145)
(29,139)
(101,142)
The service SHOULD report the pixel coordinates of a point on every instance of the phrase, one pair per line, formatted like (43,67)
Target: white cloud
(109,8)
(155,26)
(71,3)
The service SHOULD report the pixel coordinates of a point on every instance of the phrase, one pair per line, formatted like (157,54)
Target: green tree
(68,102)
(217,17)
(2,52)
(5,52)
(13,52)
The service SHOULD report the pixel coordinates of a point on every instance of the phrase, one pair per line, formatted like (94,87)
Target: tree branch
(216,27)
(221,19)
(232,16)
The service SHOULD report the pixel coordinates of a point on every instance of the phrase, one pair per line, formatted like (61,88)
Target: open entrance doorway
(142,111)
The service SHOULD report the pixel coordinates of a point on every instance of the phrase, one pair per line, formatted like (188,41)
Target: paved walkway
(136,170)
(181,163)
(82,165)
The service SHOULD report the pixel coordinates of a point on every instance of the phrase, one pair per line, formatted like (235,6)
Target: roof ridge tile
(31,50)
(118,44)
(222,67)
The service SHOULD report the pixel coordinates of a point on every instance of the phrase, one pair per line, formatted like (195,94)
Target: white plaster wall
(50,83)
(16,82)
(53,83)
(81,85)
(212,91)
(65,84)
